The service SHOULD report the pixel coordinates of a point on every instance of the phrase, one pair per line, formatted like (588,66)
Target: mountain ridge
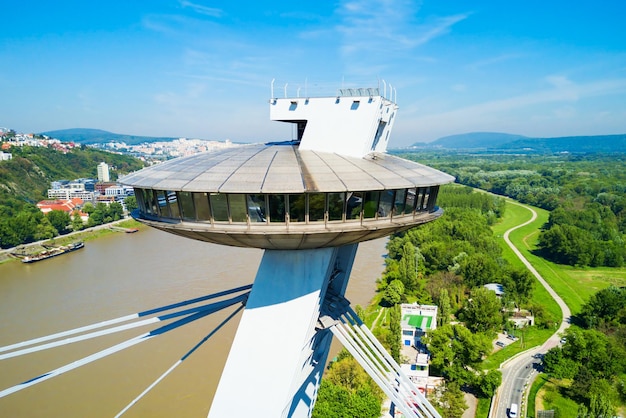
(90,136)
(503,142)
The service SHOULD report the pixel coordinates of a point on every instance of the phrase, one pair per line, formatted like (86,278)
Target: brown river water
(117,275)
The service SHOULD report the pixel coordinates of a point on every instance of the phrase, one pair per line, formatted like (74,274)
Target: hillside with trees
(25,179)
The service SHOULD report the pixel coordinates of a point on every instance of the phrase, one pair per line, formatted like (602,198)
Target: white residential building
(103,172)
(416,321)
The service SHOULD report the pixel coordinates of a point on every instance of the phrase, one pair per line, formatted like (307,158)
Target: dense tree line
(586,237)
(25,179)
(594,356)
(587,194)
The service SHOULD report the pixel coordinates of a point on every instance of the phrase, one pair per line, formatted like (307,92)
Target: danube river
(118,275)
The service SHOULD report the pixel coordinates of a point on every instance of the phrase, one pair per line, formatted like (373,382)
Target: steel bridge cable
(383,383)
(367,335)
(368,351)
(121,319)
(149,388)
(360,327)
(126,344)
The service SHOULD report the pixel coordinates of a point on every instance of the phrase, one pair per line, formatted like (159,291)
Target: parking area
(503,340)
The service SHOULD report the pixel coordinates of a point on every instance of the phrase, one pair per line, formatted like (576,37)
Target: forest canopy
(585,192)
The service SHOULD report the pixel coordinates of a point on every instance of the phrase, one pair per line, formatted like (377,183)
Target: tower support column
(278,355)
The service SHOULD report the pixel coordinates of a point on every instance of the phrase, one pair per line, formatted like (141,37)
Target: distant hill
(483,140)
(502,142)
(98,136)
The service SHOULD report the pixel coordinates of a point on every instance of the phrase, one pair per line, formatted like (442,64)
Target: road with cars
(519,371)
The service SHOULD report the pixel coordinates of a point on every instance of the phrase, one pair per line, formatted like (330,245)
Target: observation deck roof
(284,168)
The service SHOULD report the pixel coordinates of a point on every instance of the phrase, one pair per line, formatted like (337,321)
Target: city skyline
(205,69)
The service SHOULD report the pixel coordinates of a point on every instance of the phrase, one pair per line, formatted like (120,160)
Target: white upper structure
(354,123)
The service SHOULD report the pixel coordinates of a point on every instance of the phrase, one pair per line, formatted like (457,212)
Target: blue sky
(203,69)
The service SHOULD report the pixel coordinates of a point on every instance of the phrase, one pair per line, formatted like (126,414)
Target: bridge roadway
(519,371)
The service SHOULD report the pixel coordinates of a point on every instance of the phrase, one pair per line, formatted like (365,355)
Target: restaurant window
(370,204)
(172,201)
(277,207)
(186,204)
(386,203)
(411,199)
(219,206)
(297,207)
(335,206)
(203,211)
(257,208)
(432,200)
(317,207)
(237,203)
(398,205)
(140,200)
(354,204)
(420,199)
(426,200)
(164,209)
(151,206)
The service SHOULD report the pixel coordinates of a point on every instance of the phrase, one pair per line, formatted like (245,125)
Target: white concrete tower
(308,203)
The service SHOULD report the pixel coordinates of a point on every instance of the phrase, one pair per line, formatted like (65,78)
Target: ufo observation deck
(334,185)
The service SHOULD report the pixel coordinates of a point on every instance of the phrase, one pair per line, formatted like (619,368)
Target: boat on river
(53,252)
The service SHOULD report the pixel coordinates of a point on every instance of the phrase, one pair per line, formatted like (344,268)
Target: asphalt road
(518,372)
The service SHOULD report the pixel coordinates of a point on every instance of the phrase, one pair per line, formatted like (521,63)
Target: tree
(451,403)
(347,391)
(115,211)
(519,286)
(445,310)
(77,222)
(559,366)
(395,334)
(393,293)
(45,230)
(59,219)
(600,402)
(131,203)
(603,307)
(489,382)
(456,352)
(407,267)
(482,313)
(479,269)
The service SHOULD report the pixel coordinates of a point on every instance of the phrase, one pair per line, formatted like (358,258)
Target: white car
(513,411)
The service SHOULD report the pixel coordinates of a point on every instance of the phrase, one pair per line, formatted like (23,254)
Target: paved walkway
(500,400)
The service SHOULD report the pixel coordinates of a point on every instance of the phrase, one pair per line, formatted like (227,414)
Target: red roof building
(68,205)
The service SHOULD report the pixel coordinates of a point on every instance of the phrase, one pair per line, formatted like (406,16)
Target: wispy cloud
(201,9)
(368,25)
(489,61)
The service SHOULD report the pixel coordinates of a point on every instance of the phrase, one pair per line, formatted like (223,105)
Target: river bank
(84,235)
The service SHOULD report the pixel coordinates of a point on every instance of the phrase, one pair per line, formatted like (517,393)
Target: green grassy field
(574,285)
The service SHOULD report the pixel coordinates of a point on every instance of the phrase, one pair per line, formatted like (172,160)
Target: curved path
(518,371)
